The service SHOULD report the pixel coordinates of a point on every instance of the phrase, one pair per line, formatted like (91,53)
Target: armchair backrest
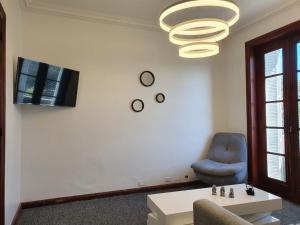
(209,213)
(228,148)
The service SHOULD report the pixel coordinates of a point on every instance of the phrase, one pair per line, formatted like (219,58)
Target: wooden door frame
(283,188)
(251,98)
(2,112)
(296,119)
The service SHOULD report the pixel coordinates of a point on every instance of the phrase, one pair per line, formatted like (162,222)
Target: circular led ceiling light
(198,3)
(212,30)
(199,50)
(213,24)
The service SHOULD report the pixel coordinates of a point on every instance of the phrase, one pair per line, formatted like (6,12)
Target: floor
(119,210)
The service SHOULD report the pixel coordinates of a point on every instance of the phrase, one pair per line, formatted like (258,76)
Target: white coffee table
(176,208)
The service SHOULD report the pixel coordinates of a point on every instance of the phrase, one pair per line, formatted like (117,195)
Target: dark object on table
(250,190)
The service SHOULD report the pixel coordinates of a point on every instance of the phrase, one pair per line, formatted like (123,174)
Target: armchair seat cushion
(214,168)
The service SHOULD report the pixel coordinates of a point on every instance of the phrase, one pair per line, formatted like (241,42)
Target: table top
(182,201)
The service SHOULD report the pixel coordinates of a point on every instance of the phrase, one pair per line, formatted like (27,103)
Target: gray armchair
(226,162)
(208,213)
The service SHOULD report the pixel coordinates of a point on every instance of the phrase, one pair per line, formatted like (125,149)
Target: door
(278,113)
(273,116)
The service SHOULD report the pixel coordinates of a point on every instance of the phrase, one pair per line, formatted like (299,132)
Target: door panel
(273,76)
(273,104)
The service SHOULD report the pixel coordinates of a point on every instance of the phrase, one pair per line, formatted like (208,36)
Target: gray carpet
(120,210)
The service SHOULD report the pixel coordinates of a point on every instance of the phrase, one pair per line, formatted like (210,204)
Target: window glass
(273,63)
(298,56)
(275,141)
(274,88)
(274,114)
(276,167)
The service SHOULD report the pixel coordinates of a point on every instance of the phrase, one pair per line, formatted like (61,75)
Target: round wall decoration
(147,78)
(137,105)
(160,98)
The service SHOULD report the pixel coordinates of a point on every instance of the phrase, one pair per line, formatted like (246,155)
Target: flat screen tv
(39,83)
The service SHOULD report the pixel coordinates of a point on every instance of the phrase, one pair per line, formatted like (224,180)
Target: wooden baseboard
(17,215)
(54,201)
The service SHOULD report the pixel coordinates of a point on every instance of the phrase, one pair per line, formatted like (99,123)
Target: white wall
(232,60)
(101,145)
(13,115)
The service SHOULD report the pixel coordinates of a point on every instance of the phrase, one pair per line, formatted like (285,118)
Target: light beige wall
(231,64)
(101,145)
(13,115)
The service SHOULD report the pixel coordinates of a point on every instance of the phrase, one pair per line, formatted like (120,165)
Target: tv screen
(39,83)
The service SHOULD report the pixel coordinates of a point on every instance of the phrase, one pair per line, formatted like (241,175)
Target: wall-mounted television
(39,83)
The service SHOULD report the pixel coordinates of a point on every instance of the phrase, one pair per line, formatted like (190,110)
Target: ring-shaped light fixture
(218,24)
(199,3)
(199,50)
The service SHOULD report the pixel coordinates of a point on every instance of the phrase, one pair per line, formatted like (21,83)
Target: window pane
(26,83)
(276,167)
(54,73)
(30,67)
(50,88)
(298,83)
(299,113)
(274,88)
(274,114)
(275,141)
(273,63)
(298,56)
(24,98)
(298,148)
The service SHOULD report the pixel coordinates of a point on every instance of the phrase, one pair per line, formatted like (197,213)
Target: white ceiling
(146,12)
